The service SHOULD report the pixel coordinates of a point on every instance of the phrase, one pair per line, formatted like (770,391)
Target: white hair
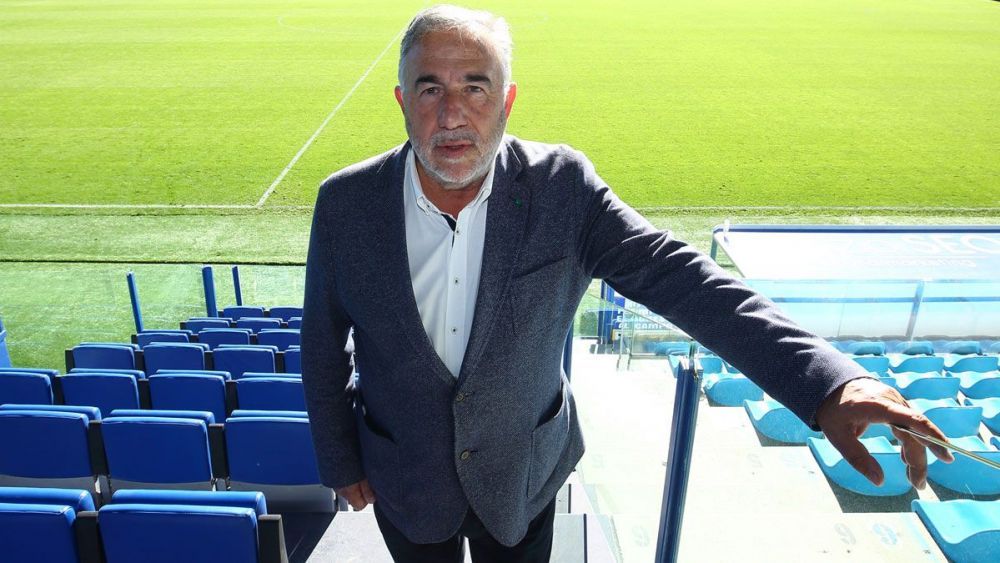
(490,30)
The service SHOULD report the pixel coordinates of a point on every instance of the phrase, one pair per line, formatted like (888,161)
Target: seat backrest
(148,337)
(136,373)
(104,355)
(189,391)
(44,444)
(92,413)
(216,336)
(974,363)
(866,348)
(876,364)
(198,325)
(151,449)
(271,450)
(964,347)
(285,312)
(293,360)
(77,499)
(916,347)
(295,322)
(37,532)
(237,312)
(281,337)
(25,388)
(240,359)
(271,393)
(239,499)
(106,391)
(174,356)
(258,323)
(168,533)
(920,364)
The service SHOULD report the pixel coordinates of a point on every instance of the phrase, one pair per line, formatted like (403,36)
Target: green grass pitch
(679,103)
(695,111)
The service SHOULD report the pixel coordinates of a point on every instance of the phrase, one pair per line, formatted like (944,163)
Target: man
(459,259)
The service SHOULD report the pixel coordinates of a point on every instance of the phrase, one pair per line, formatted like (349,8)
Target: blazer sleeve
(690,290)
(326,367)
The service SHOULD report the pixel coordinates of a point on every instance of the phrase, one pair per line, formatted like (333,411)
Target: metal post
(133,294)
(918,299)
(4,354)
(236,285)
(208,280)
(567,359)
(679,460)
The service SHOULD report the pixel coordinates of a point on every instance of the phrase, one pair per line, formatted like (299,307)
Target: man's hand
(359,495)
(848,411)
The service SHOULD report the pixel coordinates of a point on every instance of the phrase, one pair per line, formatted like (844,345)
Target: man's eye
(476,89)
(432,90)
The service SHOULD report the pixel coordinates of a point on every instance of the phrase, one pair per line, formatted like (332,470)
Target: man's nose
(451,113)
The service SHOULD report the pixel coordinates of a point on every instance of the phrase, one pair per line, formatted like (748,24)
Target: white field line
(305,147)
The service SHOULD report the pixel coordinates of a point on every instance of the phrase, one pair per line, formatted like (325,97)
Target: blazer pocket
(548,440)
(380,459)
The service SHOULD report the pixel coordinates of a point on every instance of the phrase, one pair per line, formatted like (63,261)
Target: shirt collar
(425,205)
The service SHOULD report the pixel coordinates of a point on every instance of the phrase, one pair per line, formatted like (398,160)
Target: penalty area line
(284,172)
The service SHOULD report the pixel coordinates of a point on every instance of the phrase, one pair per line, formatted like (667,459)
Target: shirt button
(456,281)
(465,455)
(458,231)
(460,397)
(454,330)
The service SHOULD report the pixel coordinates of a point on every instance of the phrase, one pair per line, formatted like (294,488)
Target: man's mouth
(453,149)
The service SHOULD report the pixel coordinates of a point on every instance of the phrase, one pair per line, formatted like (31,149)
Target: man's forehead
(444,49)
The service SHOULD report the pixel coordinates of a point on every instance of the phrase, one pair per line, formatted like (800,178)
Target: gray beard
(481,168)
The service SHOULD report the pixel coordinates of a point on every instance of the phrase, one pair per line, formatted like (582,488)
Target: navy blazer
(503,437)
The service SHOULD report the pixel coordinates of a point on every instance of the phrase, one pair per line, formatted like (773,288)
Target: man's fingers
(856,454)
(354,496)
(915,456)
(906,417)
(367,492)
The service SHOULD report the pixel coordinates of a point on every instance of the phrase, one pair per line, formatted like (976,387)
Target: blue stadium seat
(189,391)
(926,386)
(158,451)
(240,413)
(965,530)
(777,422)
(25,388)
(238,360)
(106,391)
(104,355)
(978,385)
(37,533)
(270,393)
(953,419)
(93,413)
(215,337)
(168,533)
(295,322)
(197,325)
(965,475)
(865,348)
(239,499)
(275,455)
(972,363)
(991,411)
(45,448)
(915,348)
(730,390)
(285,312)
(147,337)
(257,324)
(44,371)
(918,364)
(874,364)
(293,360)
(77,499)
(838,470)
(964,347)
(237,312)
(174,356)
(281,338)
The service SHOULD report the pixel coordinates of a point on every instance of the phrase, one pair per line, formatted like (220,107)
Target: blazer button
(465,455)
(460,397)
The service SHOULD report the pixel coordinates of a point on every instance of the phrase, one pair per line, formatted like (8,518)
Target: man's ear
(399,97)
(509,100)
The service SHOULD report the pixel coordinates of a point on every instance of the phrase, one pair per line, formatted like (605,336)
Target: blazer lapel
(506,220)
(399,290)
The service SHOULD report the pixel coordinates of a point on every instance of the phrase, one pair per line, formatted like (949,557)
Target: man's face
(455,107)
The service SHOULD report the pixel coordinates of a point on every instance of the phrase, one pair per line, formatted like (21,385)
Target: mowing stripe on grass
(305,147)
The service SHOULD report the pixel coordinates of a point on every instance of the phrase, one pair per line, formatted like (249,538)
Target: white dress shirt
(444,264)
